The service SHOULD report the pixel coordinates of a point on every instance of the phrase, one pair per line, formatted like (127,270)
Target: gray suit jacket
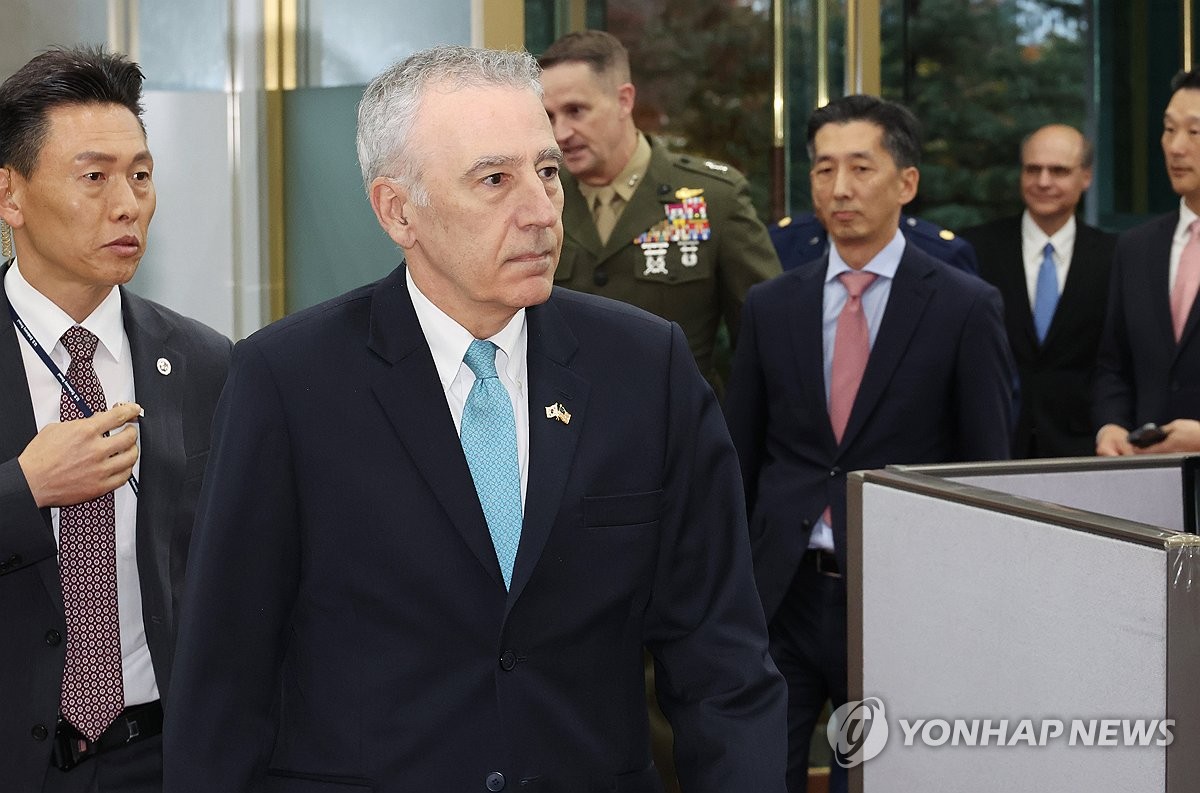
(174,438)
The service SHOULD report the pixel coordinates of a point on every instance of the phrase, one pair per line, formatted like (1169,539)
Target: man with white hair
(446,510)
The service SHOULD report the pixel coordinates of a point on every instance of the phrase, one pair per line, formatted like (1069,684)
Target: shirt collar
(47,322)
(1035,238)
(884,264)
(448,341)
(1186,216)
(627,181)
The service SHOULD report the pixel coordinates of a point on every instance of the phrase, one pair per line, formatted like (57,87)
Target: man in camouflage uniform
(673,234)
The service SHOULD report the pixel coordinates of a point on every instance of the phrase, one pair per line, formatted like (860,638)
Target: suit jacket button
(495,782)
(508,660)
(834,472)
(10,562)
(600,276)
(39,732)
(53,637)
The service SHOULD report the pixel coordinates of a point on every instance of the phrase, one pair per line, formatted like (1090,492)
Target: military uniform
(687,246)
(802,238)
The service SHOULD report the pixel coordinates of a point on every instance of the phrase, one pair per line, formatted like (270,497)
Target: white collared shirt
(448,341)
(1033,243)
(114,366)
(1182,233)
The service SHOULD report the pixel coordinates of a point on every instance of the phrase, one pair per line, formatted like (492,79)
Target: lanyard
(74,395)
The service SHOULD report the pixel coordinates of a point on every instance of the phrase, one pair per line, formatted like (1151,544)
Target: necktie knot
(481,359)
(1194,231)
(1048,251)
(856,282)
(80,343)
(604,198)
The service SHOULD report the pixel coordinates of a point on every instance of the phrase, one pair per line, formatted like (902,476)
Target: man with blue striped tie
(1053,271)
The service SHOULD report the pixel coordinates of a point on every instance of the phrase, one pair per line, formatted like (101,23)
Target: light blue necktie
(1045,298)
(489,440)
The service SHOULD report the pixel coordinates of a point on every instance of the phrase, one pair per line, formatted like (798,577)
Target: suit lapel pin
(164,366)
(557,411)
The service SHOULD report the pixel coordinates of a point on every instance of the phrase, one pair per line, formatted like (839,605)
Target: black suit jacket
(174,438)
(346,622)
(1055,417)
(937,388)
(1142,373)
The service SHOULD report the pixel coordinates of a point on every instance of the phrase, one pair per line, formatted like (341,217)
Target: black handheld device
(1146,435)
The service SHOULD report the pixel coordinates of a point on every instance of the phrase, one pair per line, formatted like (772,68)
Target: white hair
(389,105)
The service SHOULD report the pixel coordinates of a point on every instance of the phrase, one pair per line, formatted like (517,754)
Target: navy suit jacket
(1055,418)
(173,437)
(1142,373)
(937,388)
(347,622)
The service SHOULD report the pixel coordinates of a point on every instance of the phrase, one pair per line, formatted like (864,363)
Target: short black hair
(901,130)
(1185,80)
(56,78)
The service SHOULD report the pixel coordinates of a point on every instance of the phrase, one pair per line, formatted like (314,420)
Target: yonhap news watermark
(861,729)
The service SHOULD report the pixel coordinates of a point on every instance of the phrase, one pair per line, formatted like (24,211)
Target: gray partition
(971,606)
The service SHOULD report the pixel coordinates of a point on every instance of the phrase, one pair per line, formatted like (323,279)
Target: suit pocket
(630,509)
(279,781)
(566,264)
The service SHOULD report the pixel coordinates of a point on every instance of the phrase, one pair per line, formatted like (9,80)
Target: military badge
(686,225)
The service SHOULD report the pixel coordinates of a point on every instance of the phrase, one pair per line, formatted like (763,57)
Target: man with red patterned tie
(96,504)
(1148,370)
(875,354)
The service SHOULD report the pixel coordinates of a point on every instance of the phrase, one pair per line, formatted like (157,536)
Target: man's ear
(626,95)
(391,204)
(910,177)
(10,211)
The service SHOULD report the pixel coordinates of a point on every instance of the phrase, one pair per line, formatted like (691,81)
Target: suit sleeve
(987,381)
(25,533)
(1113,388)
(746,256)
(241,584)
(715,681)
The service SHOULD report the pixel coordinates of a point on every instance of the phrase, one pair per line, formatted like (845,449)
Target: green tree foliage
(703,74)
(981,75)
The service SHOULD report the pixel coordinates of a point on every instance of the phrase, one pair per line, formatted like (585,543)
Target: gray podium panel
(1013,644)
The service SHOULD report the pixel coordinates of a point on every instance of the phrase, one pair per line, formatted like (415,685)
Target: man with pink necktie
(1148,370)
(876,354)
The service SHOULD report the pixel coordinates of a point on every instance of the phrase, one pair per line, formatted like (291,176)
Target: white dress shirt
(114,366)
(448,341)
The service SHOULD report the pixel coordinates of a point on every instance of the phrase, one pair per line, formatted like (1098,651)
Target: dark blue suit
(346,620)
(1142,374)
(802,238)
(937,388)
(173,437)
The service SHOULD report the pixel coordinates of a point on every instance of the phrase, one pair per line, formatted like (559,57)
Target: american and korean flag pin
(557,411)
